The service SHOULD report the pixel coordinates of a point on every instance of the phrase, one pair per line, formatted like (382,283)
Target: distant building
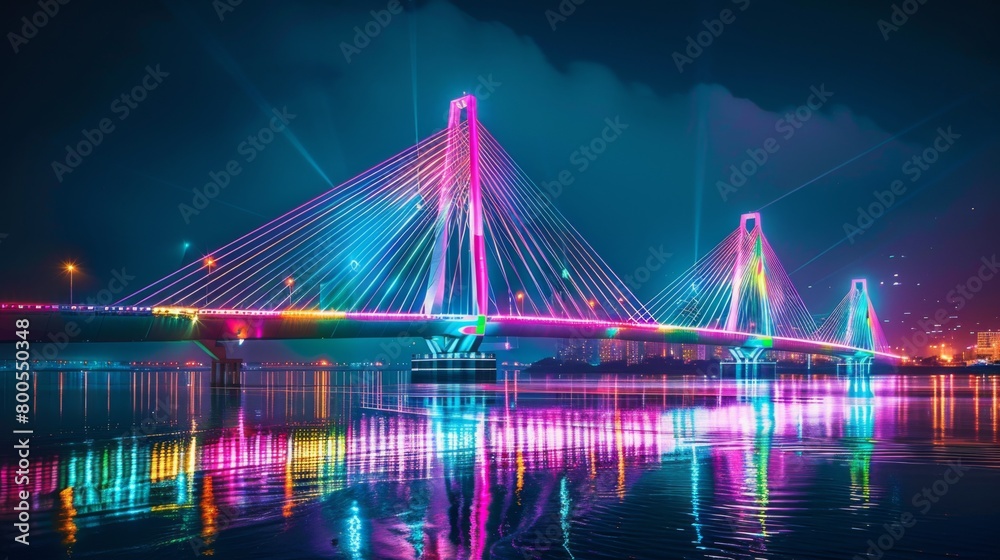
(687,352)
(656,350)
(577,349)
(634,352)
(610,350)
(692,352)
(988,345)
(796,357)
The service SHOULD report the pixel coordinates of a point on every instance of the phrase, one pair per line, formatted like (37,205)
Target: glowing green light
(763,342)
(565,273)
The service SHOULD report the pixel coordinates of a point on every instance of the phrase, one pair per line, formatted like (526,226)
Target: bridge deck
(79,323)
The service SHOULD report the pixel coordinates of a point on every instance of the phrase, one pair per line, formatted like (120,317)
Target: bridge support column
(748,223)
(856,365)
(434,301)
(444,344)
(858,371)
(746,355)
(454,359)
(226,372)
(746,362)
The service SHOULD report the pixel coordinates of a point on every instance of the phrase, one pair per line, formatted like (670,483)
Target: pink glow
(434,298)
(656,327)
(363,316)
(480,286)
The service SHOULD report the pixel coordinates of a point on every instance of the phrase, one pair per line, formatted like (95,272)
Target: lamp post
(290,282)
(70,268)
(209,263)
(520,303)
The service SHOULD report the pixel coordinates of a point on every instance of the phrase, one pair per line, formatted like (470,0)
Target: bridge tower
(451,353)
(854,323)
(863,328)
(749,255)
(449,191)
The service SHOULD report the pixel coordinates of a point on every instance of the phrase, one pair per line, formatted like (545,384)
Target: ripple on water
(630,468)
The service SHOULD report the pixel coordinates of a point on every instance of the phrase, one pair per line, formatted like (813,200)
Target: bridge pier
(859,383)
(746,362)
(858,371)
(226,372)
(856,365)
(454,359)
(746,355)
(446,344)
(454,367)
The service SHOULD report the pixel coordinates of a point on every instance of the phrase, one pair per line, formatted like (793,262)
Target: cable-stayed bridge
(450,241)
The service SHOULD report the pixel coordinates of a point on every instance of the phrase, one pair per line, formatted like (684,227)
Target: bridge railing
(64,307)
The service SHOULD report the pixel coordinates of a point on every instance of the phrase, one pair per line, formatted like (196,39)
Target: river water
(367,465)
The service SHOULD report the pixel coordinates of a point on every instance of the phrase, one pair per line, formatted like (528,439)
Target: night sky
(543,93)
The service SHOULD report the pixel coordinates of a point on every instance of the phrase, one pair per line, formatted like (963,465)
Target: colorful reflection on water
(365,465)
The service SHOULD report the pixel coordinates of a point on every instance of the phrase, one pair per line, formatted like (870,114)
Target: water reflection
(364,464)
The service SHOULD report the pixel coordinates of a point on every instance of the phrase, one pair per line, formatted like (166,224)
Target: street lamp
(290,282)
(209,263)
(520,302)
(70,268)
